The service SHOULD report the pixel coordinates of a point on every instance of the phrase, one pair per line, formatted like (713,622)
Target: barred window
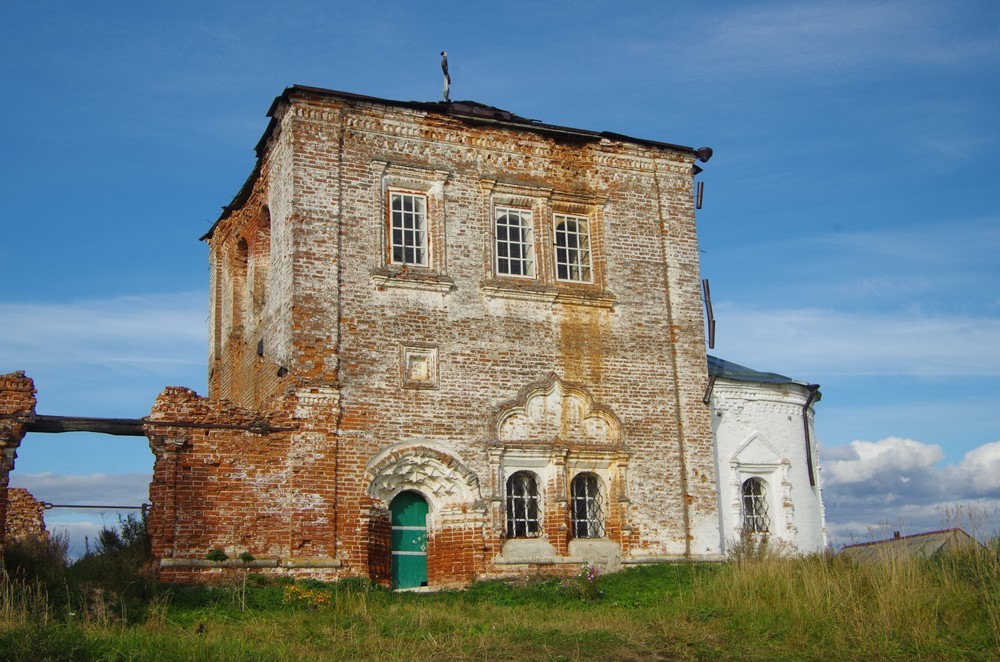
(586,506)
(522,506)
(515,244)
(408,226)
(755,517)
(572,234)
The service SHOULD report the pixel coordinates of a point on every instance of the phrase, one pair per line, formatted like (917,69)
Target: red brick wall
(336,317)
(17,404)
(25,515)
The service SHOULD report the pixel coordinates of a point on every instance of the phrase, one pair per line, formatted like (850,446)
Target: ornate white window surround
(758,458)
(411,252)
(543,285)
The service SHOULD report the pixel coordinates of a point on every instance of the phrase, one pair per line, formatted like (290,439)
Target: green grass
(760,609)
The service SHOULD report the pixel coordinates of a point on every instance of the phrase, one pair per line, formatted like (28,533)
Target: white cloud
(894,455)
(899,484)
(101,489)
(129,489)
(981,468)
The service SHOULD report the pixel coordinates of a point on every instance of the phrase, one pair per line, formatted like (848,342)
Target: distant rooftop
(924,545)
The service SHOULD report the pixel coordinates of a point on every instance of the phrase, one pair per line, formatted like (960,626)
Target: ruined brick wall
(25,515)
(401,377)
(17,406)
(228,478)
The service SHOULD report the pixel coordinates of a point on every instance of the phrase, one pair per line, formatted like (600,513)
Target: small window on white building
(586,506)
(523,511)
(408,228)
(755,516)
(515,249)
(572,239)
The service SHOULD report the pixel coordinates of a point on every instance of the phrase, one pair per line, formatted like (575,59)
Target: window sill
(503,289)
(412,280)
(521,551)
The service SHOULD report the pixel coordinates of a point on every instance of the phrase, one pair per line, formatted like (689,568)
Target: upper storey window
(515,249)
(572,243)
(408,228)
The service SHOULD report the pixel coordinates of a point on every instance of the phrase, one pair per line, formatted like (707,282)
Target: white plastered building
(766,457)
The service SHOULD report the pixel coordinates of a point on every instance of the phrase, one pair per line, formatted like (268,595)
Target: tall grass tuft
(884,609)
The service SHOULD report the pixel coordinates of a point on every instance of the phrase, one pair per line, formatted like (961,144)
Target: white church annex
(766,457)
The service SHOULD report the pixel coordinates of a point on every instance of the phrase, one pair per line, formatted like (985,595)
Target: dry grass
(762,608)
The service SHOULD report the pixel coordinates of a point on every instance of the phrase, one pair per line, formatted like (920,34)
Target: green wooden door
(409,540)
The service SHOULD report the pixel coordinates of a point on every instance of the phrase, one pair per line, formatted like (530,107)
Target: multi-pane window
(572,239)
(515,245)
(408,227)
(522,506)
(586,507)
(755,517)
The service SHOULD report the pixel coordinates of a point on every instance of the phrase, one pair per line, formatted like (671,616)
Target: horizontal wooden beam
(130,427)
(127,427)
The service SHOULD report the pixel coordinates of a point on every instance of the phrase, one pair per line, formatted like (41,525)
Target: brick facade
(447,378)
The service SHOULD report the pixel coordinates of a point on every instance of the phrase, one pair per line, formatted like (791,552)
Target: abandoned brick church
(448,342)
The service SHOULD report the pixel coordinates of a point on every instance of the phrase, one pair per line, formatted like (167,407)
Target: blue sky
(850,227)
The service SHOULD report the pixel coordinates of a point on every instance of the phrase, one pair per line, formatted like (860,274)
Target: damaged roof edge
(739,373)
(465,110)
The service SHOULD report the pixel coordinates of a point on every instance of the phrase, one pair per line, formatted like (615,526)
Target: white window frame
(526,242)
(578,264)
(423,245)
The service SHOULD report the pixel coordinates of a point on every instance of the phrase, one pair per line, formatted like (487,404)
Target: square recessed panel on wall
(419,367)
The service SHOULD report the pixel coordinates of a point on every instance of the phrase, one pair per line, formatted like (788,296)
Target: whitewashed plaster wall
(759,432)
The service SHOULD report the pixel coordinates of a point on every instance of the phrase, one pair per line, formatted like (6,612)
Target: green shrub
(40,559)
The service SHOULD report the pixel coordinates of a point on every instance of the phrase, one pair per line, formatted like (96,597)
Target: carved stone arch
(554,410)
(425,467)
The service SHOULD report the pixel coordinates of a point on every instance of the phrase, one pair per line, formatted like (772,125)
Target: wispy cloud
(143,331)
(833,39)
(825,341)
(106,357)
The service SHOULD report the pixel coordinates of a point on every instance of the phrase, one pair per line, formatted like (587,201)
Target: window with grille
(515,250)
(586,507)
(522,506)
(408,228)
(572,239)
(755,516)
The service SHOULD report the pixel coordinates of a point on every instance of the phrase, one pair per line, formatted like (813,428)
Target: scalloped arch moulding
(557,411)
(429,468)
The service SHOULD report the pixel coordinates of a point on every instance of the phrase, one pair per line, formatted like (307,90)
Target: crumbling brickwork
(25,515)
(17,407)
(432,366)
